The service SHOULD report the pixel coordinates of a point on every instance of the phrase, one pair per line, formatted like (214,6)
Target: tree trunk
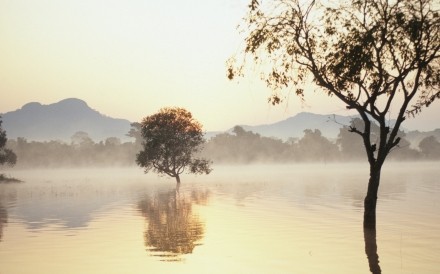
(371,250)
(178,179)
(371,198)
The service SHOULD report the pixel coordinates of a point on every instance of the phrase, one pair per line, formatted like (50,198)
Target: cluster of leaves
(375,56)
(170,139)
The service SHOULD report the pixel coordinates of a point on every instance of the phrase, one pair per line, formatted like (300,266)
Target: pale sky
(127,59)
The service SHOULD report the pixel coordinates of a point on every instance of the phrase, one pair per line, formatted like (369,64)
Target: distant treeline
(242,146)
(82,151)
(239,146)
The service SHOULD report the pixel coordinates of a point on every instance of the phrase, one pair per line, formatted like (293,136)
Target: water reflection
(3,219)
(66,206)
(371,250)
(173,228)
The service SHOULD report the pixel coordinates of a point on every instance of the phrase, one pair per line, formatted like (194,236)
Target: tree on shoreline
(378,57)
(170,139)
(7,156)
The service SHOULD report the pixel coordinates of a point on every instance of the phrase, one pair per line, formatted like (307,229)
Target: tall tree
(379,57)
(7,156)
(171,137)
(135,132)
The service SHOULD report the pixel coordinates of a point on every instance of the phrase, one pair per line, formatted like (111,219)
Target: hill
(59,121)
(329,126)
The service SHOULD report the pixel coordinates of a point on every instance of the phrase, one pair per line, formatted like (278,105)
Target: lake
(301,218)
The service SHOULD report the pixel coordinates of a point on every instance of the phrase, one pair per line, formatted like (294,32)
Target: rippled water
(239,219)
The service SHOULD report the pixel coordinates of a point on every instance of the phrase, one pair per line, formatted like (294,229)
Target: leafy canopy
(376,56)
(170,139)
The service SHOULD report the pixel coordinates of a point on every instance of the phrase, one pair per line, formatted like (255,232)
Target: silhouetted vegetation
(242,146)
(237,147)
(7,156)
(170,139)
(430,148)
(79,153)
(378,58)
(246,147)
(371,250)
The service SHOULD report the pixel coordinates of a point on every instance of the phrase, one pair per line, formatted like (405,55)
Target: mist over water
(295,218)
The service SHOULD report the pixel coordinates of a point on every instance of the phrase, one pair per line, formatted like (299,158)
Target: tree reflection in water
(3,219)
(173,228)
(371,250)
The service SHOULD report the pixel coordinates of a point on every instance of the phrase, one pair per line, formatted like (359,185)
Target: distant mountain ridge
(294,126)
(59,121)
(329,125)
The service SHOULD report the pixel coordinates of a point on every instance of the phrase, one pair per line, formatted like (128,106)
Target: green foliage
(56,154)
(7,156)
(239,146)
(135,132)
(246,147)
(243,146)
(430,148)
(314,146)
(375,56)
(170,139)
(351,145)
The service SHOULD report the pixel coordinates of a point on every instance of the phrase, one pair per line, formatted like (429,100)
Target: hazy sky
(127,59)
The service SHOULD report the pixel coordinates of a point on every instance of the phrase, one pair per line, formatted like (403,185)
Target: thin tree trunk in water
(178,179)
(371,198)
(371,250)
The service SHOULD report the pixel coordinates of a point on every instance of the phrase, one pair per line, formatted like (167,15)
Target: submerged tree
(7,156)
(171,137)
(379,57)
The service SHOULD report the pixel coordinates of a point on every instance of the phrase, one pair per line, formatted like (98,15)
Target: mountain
(59,121)
(329,125)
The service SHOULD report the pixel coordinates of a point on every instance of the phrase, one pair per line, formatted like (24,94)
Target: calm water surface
(239,219)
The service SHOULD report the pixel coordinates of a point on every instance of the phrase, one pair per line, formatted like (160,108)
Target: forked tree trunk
(371,198)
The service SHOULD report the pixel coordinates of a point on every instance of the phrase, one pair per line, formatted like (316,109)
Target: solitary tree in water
(170,139)
(379,57)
